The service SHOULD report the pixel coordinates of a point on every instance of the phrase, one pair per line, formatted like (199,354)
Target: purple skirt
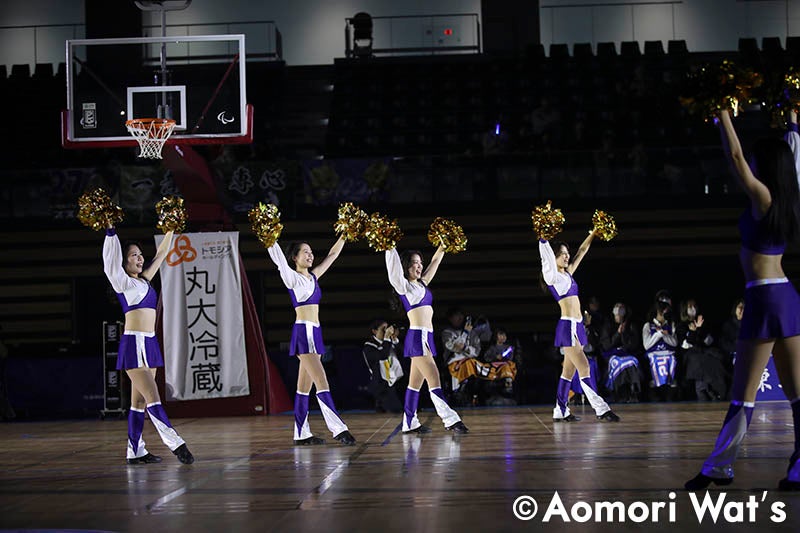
(416,341)
(770,312)
(306,338)
(138,349)
(570,333)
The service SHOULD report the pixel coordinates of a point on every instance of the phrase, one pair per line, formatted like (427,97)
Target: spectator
(702,363)
(499,358)
(658,338)
(384,367)
(730,330)
(597,327)
(728,340)
(462,347)
(624,375)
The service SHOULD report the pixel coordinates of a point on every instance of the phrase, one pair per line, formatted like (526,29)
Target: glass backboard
(198,81)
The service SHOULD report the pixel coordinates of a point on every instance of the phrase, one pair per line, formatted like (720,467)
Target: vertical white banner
(204,350)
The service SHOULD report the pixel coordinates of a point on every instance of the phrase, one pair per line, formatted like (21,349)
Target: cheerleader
(771,318)
(411,284)
(139,352)
(306,342)
(570,333)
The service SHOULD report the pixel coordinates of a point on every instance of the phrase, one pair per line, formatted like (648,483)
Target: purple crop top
(426,300)
(756,238)
(572,291)
(314,299)
(149,301)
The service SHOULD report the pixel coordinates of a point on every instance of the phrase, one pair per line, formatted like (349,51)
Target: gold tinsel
(447,233)
(604,224)
(266,223)
(97,211)
(382,234)
(791,87)
(171,214)
(547,222)
(352,222)
(714,87)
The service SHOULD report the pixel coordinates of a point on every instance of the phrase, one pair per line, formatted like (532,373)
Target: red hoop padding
(180,138)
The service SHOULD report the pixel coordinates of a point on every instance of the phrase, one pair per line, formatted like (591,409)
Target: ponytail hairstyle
(775,167)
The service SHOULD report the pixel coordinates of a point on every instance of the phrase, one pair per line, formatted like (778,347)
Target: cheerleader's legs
(312,372)
(143,379)
(575,359)
(786,355)
(751,358)
(136,447)
(424,368)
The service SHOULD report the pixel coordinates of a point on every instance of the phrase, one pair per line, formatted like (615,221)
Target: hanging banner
(204,349)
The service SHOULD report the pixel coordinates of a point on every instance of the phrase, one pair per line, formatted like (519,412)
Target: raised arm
(112,262)
(582,249)
(288,275)
(433,266)
(161,254)
(758,193)
(395,270)
(326,263)
(549,267)
(793,140)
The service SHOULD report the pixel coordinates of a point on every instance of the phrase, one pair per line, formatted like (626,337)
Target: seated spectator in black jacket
(730,331)
(703,364)
(384,366)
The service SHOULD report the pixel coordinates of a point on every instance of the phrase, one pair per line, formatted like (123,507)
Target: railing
(42,43)
(263,39)
(559,19)
(458,33)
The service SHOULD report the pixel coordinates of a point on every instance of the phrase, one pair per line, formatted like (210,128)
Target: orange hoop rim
(147,121)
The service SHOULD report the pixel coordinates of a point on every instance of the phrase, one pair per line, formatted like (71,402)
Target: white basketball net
(151,134)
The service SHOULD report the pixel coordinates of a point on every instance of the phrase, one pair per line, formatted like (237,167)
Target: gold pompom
(604,224)
(352,222)
(714,88)
(97,211)
(266,223)
(791,87)
(447,233)
(382,234)
(788,98)
(547,222)
(171,214)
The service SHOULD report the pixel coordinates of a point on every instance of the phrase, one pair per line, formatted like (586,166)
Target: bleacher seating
(497,276)
(427,107)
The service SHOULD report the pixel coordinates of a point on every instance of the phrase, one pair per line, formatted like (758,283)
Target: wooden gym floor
(71,475)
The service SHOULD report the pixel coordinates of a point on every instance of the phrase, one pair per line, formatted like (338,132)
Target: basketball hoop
(151,134)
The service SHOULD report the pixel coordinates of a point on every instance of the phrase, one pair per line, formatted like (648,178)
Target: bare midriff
(141,320)
(760,266)
(571,307)
(308,313)
(421,317)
